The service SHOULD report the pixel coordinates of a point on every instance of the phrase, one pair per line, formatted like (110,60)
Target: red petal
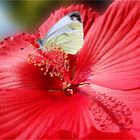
(88,16)
(112,48)
(13,54)
(131,98)
(15,70)
(29,114)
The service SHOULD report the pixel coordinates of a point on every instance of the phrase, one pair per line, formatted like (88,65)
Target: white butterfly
(67,33)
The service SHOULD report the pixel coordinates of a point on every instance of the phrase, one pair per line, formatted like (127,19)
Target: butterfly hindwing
(67,33)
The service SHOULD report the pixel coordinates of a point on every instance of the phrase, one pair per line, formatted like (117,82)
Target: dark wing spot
(75,16)
(66,34)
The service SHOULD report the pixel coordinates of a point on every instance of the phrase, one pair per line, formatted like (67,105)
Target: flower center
(55,63)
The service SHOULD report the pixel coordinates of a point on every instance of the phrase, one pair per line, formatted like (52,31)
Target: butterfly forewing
(67,34)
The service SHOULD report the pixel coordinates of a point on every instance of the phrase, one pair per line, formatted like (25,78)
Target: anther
(55,58)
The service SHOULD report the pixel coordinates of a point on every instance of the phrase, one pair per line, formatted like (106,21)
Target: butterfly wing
(67,34)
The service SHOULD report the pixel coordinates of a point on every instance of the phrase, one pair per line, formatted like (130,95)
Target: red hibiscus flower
(91,95)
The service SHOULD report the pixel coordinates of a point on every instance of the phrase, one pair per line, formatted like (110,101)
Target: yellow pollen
(56,58)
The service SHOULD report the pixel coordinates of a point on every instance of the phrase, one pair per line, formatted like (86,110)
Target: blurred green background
(26,15)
